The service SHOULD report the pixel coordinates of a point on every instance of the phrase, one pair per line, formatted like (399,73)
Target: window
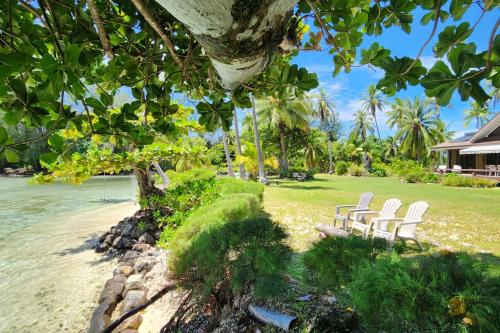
(492,159)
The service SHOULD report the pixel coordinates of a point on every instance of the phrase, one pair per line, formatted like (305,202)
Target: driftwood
(132,312)
(179,313)
(276,319)
(331,231)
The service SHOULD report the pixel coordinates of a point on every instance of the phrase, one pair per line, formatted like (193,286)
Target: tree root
(179,313)
(132,312)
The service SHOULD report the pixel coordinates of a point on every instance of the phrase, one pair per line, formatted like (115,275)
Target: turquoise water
(50,277)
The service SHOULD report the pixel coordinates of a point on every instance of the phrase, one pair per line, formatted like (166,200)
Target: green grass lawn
(460,218)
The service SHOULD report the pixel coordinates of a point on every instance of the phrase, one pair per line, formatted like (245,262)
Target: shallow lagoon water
(50,277)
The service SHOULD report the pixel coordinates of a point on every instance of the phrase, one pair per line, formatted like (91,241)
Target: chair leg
(418,243)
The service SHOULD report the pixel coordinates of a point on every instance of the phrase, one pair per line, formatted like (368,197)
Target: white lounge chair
(391,206)
(405,228)
(363,204)
(457,169)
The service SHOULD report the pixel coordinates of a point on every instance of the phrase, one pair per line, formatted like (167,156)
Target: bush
(461,181)
(308,172)
(355,170)
(229,245)
(412,172)
(378,170)
(341,168)
(445,293)
(331,261)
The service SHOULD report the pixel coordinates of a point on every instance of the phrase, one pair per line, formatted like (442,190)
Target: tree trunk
(229,162)
(284,152)
(145,183)
(239,36)
(162,174)
(243,174)
(330,160)
(374,112)
(262,171)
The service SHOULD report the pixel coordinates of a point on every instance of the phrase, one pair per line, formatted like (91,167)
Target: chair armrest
(377,220)
(356,210)
(408,223)
(359,214)
(337,208)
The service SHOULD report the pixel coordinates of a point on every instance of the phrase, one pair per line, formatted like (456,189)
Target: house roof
(478,138)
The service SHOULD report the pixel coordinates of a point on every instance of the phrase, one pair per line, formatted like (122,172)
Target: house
(476,152)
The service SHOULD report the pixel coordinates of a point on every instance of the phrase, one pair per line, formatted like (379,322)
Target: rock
(122,243)
(135,233)
(124,270)
(101,247)
(133,299)
(101,317)
(134,282)
(113,289)
(109,239)
(130,257)
(144,264)
(127,229)
(157,235)
(103,236)
(146,238)
(141,247)
(128,330)
(131,323)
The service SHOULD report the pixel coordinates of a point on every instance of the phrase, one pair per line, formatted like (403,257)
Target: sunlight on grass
(460,218)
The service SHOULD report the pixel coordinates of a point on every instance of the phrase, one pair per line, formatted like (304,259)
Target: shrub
(447,293)
(331,261)
(308,172)
(228,245)
(378,170)
(355,170)
(412,172)
(461,181)
(341,168)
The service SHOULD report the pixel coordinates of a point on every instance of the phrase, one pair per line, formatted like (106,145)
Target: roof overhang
(486,149)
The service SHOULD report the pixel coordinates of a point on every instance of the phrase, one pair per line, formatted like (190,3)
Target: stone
(101,247)
(101,317)
(141,247)
(122,243)
(146,238)
(134,282)
(131,323)
(133,299)
(103,236)
(157,235)
(130,257)
(109,239)
(128,330)
(124,270)
(135,233)
(127,229)
(144,264)
(113,289)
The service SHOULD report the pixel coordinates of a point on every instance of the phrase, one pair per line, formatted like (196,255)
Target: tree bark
(330,159)
(229,162)
(145,183)
(262,171)
(162,174)
(100,28)
(243,174)
(284,152)
(239,36)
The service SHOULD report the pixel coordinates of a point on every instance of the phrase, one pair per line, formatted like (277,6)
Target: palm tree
(238,143)
(419,129)
(285,111)
(362,126)
(396,113)
(328,120)
(229,162)
(373,102)
(478,113)
(249,158)
(391,147)
(258,148)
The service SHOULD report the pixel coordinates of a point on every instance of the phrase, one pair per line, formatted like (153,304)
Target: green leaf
(48,158)
(440,82)
(4,136)
(11,155)
(451,36)
(56,141)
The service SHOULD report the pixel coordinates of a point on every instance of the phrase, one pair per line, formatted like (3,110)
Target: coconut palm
(328,119)
(478,113)
(238,143)
(360,130)
(419,129)
(250,159)
(373,102)
(285,111)
(391,147)
(396,113)
(229,162)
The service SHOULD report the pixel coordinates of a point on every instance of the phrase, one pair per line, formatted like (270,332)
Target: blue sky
(347,89)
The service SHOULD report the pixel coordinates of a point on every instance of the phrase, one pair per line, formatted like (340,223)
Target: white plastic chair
(405,228)
(457,168)
(363,204)
(391,206)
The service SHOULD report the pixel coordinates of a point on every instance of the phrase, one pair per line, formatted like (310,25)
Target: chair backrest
(391,206)
(415,213)
(442,167)
(457,167)
(365,199)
